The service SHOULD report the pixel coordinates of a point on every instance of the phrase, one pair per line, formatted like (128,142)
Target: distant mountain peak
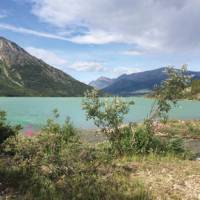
(104,78)
(101,82)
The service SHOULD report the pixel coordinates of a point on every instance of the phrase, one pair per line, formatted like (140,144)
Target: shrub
(169,92)
(145,143)
(65,132)
(166,95)
(141,141)
(6,130)
(40,161)
(175,145)
(195,87)
(56,165)
(126,142)
(107,114)
(193,129)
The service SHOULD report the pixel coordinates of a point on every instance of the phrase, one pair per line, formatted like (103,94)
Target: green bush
(40,161)
(142,141)
(146,143)
(56,165)
(195,89)
(126,141)
(6,130)
(107,114)
(193,130)
(175,145)
(166,95)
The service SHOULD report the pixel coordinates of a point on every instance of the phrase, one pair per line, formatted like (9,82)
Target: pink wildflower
(29,131)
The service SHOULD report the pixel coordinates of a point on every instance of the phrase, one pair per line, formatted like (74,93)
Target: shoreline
(181,128)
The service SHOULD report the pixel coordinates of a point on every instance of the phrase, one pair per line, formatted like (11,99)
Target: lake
(34,111)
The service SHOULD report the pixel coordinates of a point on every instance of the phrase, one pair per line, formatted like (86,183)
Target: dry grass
(173,128)
(186,129)
(166,177)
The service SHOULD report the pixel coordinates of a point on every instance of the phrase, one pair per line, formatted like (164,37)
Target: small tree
(108,114)
(166,96)
(169,92)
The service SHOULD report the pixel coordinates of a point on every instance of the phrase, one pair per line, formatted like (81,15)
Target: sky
(92,38)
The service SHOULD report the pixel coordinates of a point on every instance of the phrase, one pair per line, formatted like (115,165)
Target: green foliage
(142,141)
(56,165)
(6,130)
(126,144)
(194,130)
(169,92)
(195,89)
(175,145)
(107,114)
(42,160)
(145,143)
(66,132)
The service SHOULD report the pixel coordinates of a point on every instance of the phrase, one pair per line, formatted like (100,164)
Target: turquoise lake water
(35,111)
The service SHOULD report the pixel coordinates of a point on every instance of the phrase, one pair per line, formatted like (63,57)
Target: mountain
(101,82)
(22,74)
(140,83)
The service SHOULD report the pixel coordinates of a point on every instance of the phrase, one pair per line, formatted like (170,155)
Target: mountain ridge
(22,74)
(139,83)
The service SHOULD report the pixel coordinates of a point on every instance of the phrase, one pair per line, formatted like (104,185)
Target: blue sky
(93,38)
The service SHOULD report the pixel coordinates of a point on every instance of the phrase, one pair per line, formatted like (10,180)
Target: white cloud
(95,37)
(150,24)
(132,53)
(87,66)
(31,32)
(56,60)
(125,70)
(48,56)
(59,62)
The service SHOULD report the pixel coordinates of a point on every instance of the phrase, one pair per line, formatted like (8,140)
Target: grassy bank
(173,128)
(165,177)
(188,131)
(33,167)
(140,177)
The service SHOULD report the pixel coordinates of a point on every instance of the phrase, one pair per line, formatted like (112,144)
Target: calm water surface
(35,111)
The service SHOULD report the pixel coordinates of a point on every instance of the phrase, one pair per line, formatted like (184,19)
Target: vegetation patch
(134,163)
